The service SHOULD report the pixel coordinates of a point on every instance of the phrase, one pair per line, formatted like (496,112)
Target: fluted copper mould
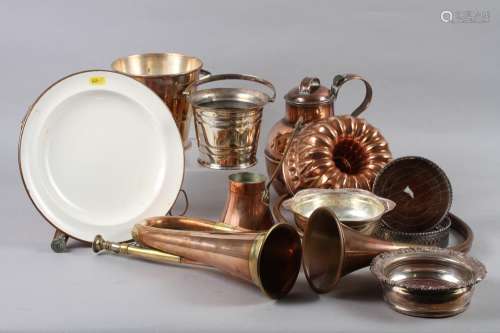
(428,282)
(246,204)
(167,74)
(227,121)
(355,208)
(332,250)
(421,190)
(338,152)
(270,260)
(312,102)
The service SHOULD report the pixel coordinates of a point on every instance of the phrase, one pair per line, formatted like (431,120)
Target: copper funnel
(246,205)
(270,260)
(332,250)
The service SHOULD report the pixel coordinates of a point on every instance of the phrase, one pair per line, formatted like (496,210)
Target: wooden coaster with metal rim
(437,236)
(421,191)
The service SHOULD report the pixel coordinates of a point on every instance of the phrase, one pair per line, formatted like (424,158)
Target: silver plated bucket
(227,121)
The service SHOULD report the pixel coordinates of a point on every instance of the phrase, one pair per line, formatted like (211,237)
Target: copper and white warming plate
(99,152)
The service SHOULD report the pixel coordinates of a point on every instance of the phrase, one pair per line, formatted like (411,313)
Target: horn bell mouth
(323,247)
(279,260)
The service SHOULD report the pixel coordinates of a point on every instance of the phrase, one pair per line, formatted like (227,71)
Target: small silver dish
(427,282)
(354,207)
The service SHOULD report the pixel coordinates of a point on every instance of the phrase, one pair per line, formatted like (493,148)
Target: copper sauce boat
(270,260)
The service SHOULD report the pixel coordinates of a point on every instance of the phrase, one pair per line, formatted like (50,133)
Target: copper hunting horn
(332,250)
(270,260)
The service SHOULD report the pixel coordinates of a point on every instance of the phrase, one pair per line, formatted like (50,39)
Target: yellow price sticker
(97,80)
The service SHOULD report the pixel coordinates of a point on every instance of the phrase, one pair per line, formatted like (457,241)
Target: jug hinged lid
(309,92)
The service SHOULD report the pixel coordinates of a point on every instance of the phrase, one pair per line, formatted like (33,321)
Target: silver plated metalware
(354,207)
(437,236)
(427,282)
(227,121)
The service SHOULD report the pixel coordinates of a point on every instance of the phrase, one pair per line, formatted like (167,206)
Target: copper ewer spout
(270,260)
(332,250)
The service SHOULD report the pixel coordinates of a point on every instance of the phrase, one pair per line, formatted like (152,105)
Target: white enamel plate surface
(99,152)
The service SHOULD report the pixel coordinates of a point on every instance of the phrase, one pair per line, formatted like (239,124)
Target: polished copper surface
(140,252)
(227,121)
(190,223)
(421,190)
(310,92)
(167,74)
(280,133)
(332,250)
(245,205)
(167,222)
(339,152)
(312,102)
(270,260)
(428,282)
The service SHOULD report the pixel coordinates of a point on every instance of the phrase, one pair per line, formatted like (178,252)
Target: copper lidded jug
(312,102)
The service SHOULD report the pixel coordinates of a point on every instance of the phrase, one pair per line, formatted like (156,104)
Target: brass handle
(339,80)
(221,77)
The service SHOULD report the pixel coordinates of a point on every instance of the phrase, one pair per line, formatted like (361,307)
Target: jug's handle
(339,80)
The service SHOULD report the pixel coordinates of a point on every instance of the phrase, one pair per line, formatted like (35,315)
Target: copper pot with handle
(312,102)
